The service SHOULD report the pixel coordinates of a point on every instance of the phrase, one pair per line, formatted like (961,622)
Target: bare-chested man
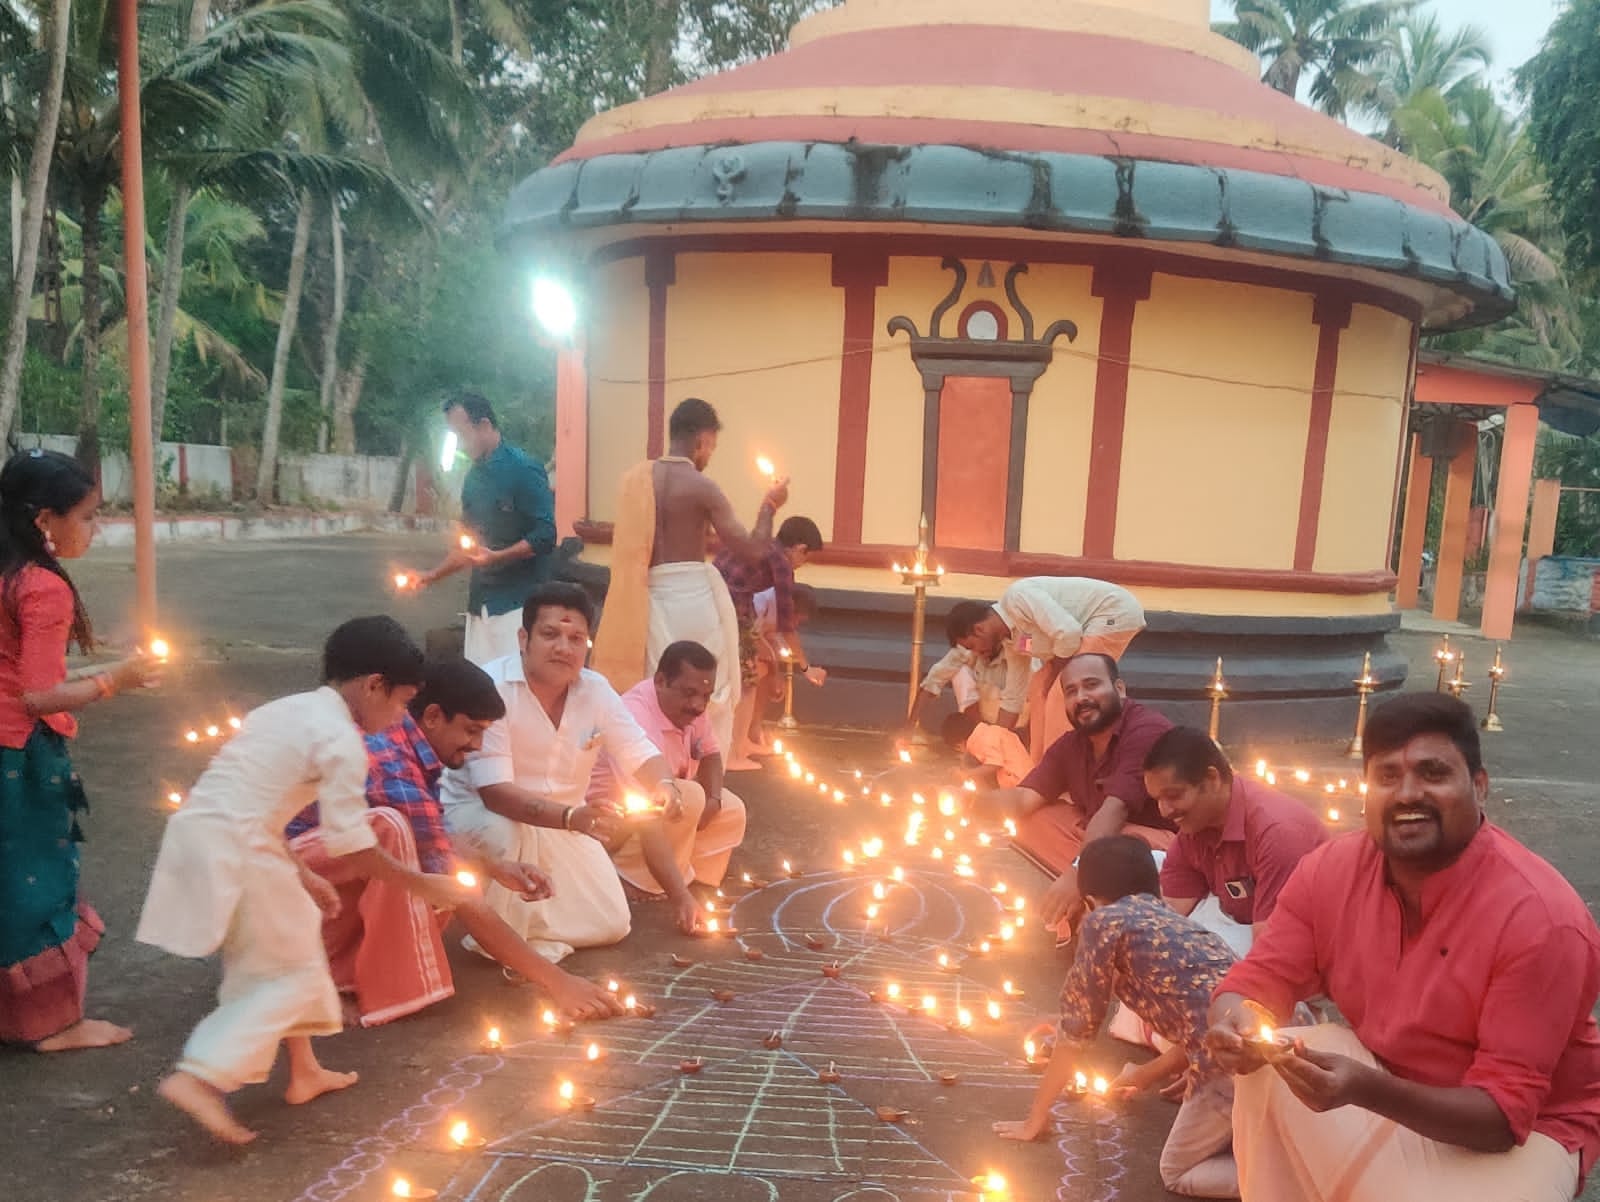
(662,589)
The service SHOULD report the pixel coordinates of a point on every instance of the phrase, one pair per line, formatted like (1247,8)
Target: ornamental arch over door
(976,388)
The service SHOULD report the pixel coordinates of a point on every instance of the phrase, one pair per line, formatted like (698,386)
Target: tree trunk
(658,60)
(330,335)
(268,468)
(89,319)
(44,144)
(172,266)
(408,452)
(345,401)
(458,49)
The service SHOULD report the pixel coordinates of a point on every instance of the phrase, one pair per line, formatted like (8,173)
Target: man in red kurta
(1467,968)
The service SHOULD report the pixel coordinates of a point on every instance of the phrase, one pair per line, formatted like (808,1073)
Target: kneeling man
(385,944)
(670,708)
(1468,969)
(522,796)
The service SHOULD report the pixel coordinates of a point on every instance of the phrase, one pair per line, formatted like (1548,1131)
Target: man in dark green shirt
(509,514)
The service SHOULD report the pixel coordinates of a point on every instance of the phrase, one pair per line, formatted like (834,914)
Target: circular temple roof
(1121,117)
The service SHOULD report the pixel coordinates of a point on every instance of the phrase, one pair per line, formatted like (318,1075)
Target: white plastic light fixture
(554,307)
(447,451)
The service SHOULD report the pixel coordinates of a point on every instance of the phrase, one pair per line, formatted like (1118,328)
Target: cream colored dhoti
(691,601)
(1288,1152)
(588,907)
(701,855)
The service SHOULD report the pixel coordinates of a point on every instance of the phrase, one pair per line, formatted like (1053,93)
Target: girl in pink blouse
(48,506)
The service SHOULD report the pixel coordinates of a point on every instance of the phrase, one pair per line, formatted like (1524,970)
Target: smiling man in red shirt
(1468,969)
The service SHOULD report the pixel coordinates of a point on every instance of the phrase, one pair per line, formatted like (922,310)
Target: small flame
(713,926)
(191,736)
(787,867)
(402,580)
(467,542)
(1267,1034)
(777,746)
(898,873)
(235,723)
(893,990)
(460,1133)
(1333,815)
(174,799)
(765,466)
(1029,1048)
(1101,1085)
(592,1052)
(1261,769)
(963,1018)
(992,1185)
(630,1002)
(213,730)
(548,1018)
(401,1188)
(849,857)
(929,1003)
(905,756)
(566,1091)
(872,910)
(160,648)
(612,986)
(994,1010)
(1081,1080)
(466,879)
(492,1037)
(1007,988)
(878,891)
(636,803)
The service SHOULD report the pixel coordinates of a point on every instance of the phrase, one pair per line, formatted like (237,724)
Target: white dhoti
(491,638)
(701,855)
(691,601)
(1288,1152)
(588,907)
(1210,915)
(221,883)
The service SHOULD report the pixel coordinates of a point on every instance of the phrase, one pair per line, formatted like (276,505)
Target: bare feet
(309,1084)
(205,1105)
(743,764)
(89,1033)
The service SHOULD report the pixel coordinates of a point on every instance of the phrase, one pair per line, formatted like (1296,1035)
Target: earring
(49,543)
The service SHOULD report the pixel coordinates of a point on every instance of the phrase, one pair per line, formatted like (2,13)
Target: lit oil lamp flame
(548,1018)
(898,873)
(777,746)
(491,1037)
(592,1052)
(1333,815)
(1261,769)
(849,857)
(466,879)
(566,1091)
(1007,988)
(466,542)
(1266,1034)
(929,1003)
(235,723)
(872,911)
(402,580)
(612,985)
(991,1186)
(963,1018)
(160,648)
(712,926)
(1030,1049)
(637,803)
(1101,1085)
(878,891)
(191,736)
(787,867)
(401,1188)
(174,799)
(994,1010)
(460,1133)
(213,730)
(766,467)
(905,756)
(1081,1080)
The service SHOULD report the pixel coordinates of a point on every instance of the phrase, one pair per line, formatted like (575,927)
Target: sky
(1515,27)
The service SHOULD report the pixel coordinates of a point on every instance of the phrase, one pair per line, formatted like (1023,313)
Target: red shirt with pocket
(1495,991)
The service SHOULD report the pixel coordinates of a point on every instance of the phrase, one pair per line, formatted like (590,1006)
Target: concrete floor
(755,1124)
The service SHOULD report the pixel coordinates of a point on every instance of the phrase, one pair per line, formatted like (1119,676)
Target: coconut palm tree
(1422,56)
(56,33)
(1338,43)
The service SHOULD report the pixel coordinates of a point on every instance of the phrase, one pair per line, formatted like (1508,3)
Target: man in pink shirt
(1467,969)
(1238,841)
(670,707)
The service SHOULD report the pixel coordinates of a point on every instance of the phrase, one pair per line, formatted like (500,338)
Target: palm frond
(283,174)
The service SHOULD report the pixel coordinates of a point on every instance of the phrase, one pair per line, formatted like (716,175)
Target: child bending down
(225,877)
(1132,947)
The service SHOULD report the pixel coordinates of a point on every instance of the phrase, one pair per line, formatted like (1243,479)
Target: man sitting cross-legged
(1090,782)
(385,944)
(1468,970)
(670,708)
(522,796)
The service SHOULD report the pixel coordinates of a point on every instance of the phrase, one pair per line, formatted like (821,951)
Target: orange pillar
(1414,527)
(1541,528)
(141,438)
(572,438)
(1453,538)
(1510,520)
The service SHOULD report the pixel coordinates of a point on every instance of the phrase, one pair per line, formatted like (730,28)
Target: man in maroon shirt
(1467,968)
(1238,840)
(1090,782)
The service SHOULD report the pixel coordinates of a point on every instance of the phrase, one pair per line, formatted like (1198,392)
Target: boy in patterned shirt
(1134,949)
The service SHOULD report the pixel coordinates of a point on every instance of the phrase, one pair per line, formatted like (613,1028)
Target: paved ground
(85,1128)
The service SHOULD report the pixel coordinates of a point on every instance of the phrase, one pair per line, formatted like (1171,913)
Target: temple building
(1064,277)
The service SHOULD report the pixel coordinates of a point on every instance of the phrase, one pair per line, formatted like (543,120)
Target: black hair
(685,651)
(31,483)
(800,532)
(805,602)
(375,646)
(458,687)
(963,618)
(691,418)
(1399,720)
(1116,867)
(557,594)
(476,407)
(957,728)
(1113,672)
(1188,751)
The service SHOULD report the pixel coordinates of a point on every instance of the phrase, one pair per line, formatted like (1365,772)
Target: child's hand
(1026,1130)
(445,892)
(323,893)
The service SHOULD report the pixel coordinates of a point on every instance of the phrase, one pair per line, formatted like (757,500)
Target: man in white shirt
(1051,619)
(984,686)
(522,797)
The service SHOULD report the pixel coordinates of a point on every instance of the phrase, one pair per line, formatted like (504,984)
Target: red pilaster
(860,276)
(1121,288)
(660,273)
(1332,317)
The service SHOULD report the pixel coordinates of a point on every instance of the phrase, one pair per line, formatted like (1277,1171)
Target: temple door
(974,462)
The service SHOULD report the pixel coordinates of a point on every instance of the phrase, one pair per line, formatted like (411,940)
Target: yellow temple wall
(619,364)
(1219,402)
(1358,486)
(771,370)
